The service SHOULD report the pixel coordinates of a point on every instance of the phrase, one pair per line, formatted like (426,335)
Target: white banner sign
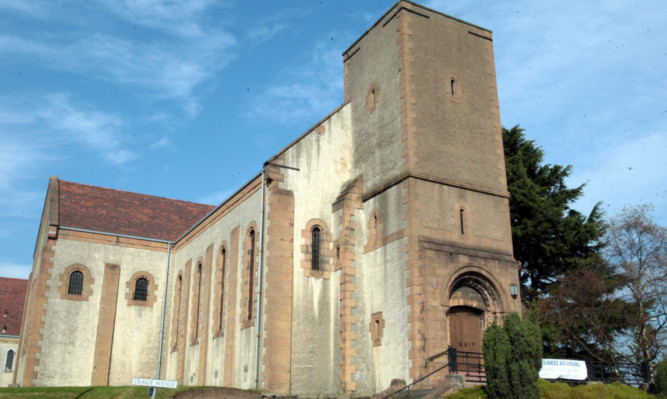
(553,369)
(149,382)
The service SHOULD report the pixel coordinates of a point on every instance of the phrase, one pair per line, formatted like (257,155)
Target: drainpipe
(259,281)
(164,307)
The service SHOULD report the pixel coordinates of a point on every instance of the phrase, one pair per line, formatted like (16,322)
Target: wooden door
(465,335)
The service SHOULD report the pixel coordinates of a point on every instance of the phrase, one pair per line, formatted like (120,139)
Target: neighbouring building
(376,239)
(12,296)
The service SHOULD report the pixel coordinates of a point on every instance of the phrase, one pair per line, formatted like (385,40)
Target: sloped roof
(121,212)
(12,297)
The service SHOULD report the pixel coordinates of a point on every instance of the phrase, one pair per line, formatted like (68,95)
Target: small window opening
(75,286)
(337,251)
(315,262)
(462,217)
(452,85)
(9,362)
(141,289)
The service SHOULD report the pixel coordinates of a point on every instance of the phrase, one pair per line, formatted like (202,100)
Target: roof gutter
(106,233)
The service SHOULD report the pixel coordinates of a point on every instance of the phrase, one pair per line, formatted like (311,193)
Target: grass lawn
(549,390)
(87,392)
(558,390)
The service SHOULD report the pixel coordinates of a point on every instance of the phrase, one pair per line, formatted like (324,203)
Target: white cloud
(17,159)
(18,162)
(162,143)
(153,66)
(23,46)
(95,130)
(22,6)
(64,123)
(265,32)
(14,270)
(217,197)
(268,26)
(307,91)
(180,18)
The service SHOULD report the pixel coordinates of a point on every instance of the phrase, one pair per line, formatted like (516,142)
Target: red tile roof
(121,212)
(12,297)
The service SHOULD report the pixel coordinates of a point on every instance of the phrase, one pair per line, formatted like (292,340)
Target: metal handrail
(426,362)
(417,381)
(432,358)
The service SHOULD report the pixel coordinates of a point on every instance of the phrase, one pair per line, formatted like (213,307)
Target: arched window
(223,254)
(9,362)
(462,220)
(318,250)
(198,301)
(141,289)
(453,87)
(315,247)
(251,269)
(177,306)
(75,286)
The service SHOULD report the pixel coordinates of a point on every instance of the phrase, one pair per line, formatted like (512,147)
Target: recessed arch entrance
(473,302)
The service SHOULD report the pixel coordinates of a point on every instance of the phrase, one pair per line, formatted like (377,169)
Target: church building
(378,238)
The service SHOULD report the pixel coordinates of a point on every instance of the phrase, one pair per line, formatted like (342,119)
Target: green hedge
(512,358)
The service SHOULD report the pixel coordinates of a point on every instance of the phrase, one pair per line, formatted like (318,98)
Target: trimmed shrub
(496,349)
(533,325)
(521,363)
(661,377)
(512,359)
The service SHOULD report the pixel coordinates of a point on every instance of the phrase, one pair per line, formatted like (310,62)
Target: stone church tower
(375,240)
(427,143)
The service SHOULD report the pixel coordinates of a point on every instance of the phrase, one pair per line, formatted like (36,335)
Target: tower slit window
(462,221)
(315,245)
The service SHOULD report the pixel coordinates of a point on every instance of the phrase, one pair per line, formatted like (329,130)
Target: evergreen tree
(560,252)
(549,238)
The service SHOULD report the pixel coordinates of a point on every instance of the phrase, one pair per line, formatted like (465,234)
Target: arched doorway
(466,317)
(472,303)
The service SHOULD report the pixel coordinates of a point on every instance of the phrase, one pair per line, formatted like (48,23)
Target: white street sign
(149,382)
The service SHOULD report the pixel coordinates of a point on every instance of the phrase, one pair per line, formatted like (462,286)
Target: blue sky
(187,99)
